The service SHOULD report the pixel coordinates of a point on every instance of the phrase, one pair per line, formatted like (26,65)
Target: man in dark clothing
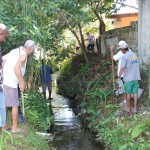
(91,40)
(45,74)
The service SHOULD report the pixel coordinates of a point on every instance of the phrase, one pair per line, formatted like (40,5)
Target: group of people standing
(128,71)
(13,66)
(12,70)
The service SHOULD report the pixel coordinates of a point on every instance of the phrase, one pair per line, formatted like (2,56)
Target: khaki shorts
(10,96)
(45,85)
(131,87)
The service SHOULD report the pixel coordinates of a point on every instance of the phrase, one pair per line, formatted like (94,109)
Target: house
(124,16)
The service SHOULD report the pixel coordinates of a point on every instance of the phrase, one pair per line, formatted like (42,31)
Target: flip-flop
(7,128)
(135,112)
(18,132)
(126,112)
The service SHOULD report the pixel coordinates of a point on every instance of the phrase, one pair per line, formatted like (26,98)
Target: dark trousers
(90,47)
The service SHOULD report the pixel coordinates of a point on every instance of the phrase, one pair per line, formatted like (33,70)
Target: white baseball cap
(122,45)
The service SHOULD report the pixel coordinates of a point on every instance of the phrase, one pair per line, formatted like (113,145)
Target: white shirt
(10,78)
(118,57)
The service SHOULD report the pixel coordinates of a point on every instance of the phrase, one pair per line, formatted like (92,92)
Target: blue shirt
(45,73)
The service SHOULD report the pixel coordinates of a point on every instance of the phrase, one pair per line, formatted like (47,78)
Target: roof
(122,15)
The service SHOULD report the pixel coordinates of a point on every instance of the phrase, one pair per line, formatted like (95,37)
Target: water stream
(68,131)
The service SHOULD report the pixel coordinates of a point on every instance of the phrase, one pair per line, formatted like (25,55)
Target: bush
(37,111)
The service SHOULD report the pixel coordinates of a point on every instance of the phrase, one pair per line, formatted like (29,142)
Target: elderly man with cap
(14,70)
(3,35)
(118,57)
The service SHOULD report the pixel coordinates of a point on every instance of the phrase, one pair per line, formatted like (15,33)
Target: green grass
(28,140)
(38,119)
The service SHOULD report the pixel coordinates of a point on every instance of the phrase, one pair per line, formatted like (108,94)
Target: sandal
(7,127)
(18,132)
(135,112)
(126,112)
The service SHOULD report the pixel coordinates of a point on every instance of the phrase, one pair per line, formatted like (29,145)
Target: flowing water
(68,131)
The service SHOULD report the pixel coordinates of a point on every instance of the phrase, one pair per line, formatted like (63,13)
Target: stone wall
(128,34)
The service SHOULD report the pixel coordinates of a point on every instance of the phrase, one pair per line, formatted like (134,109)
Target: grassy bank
(90,87)
(38,118)
(28,140)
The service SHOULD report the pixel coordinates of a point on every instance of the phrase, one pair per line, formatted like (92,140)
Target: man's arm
(17,70)
(121,72)
(112,47)
(94,38)
(86,39)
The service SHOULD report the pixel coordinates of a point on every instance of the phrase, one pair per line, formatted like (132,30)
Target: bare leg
(125,99)
(6,125)
(135,102)
(128,103)
(15,119)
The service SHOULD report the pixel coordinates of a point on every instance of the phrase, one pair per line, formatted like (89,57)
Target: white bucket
(140,91)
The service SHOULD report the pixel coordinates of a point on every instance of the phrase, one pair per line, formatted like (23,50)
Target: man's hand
(112,47)
(22,86)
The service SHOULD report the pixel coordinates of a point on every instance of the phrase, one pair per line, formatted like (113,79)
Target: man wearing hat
(3,36)
(117,57)
(130,68)
(14,70)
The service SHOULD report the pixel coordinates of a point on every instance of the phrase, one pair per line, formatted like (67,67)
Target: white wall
(144,30)
(144,38)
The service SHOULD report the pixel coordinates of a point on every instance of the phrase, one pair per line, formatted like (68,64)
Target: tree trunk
(81,35)
(101,23)
(101,30)
(75,34)
(82,40)
(80,44)
(98,44)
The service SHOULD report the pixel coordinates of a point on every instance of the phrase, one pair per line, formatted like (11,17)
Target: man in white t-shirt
(13,71)
(118,57)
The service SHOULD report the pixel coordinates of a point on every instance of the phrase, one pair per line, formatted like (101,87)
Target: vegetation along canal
(69,134)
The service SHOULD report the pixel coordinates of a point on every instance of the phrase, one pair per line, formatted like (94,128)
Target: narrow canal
(68,131)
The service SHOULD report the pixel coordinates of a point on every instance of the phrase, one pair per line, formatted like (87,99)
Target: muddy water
(68,131)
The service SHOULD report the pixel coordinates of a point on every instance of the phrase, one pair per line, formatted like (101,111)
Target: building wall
(144,41)
(144,30)
(124,21)
(128,34)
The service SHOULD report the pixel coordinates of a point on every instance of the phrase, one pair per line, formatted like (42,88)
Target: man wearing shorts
(131,70)
(13,71)
(45,74)
(118,57)
(3,36)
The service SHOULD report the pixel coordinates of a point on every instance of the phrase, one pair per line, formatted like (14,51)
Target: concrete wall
(128,34)
(144,30)
(144,41)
